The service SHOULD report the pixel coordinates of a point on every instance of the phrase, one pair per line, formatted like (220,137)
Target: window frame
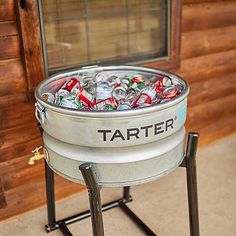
(28,22)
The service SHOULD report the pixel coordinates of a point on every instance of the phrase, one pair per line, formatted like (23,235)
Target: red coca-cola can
(170,92)
(106,104)
(159,89)
(85,97)
(72,84)
(137,79)
(142,100)
(165,82)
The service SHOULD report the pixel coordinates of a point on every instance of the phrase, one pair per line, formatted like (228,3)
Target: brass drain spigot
(37,156)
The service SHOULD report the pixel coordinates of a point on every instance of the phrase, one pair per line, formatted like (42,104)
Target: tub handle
(40,113)
(89,67)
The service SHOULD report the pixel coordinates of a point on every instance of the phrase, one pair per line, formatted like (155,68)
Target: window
(82,32)
(145,32)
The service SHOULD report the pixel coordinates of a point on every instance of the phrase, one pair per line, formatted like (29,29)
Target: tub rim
(111,114)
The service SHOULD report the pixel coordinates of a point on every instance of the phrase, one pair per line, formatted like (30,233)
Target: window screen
(104,32)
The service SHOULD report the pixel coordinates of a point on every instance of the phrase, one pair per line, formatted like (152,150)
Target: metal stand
(96,208)
(94,198)
(190,164)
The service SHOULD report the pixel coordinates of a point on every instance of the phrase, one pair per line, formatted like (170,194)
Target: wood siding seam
(8,28)
(10,119)
(10,47)
(8,36)
(207,66)
(192,2)
(197,43)
(7,10)
(22,149)
(3,61)
(200,16)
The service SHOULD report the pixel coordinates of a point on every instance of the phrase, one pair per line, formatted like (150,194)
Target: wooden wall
(11,69)
(208,63)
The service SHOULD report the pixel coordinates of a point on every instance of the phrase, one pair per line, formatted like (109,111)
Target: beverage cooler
(112,126)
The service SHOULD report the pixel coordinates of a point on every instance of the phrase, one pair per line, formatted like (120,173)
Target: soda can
(158,84)
(85,97)
(69,102)
(71,85)
(49,97)
(179,87)
(157,99)
(138,79)
(103,91)
(113,80)
(134,89)
(158,88)
(106,104)
(88,84)
(170,92)
(120,91)
(87,78)
(60,95)
(165,82)
(87,81)
(142,100)
(120,83)
(126,80)
(141,85)
(130,98)
(154,82)
(100,77)
(145,98)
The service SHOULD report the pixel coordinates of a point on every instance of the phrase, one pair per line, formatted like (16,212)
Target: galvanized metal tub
(111,128)
(120,166)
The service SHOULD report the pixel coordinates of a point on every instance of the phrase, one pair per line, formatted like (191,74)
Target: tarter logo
(136,133)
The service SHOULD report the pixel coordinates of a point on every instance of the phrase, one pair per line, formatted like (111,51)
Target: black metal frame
(96,208)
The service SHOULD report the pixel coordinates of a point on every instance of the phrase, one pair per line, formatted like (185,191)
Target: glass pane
(105,6)
(59,8)
(105,42)
(145,33)
(66,43)
(144,4)
(92,32)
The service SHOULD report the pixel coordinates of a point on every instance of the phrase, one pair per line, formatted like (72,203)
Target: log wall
(208,63)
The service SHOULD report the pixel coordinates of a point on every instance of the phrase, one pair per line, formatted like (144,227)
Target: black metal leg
(126,193)
(190,162)
(40,128)
(49,175)
(136,219)
(94,198)
(64,229)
